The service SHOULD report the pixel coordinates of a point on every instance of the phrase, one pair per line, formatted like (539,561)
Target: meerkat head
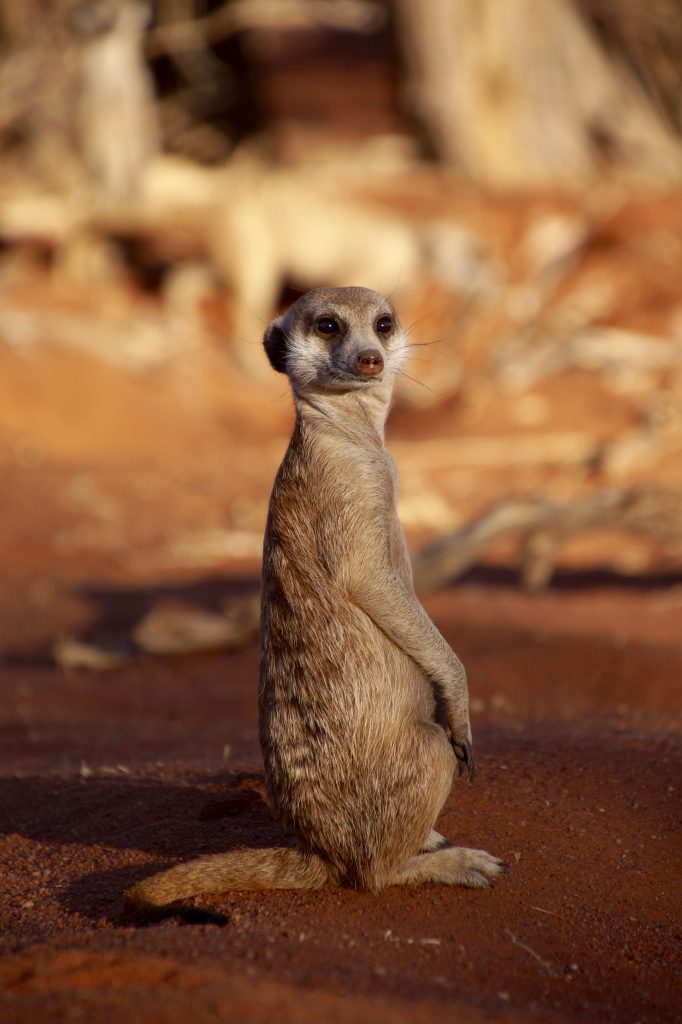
(337,339)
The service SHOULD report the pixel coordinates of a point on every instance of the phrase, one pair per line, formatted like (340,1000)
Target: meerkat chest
(331,499)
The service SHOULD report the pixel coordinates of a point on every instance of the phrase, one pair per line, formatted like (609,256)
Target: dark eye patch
(327,325)
(384,325)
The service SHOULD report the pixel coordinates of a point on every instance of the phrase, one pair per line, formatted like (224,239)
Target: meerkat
(363,706)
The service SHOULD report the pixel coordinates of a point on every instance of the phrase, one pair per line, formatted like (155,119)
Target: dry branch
(167,629)
(521,93)
(172,628)
(151,342)
(542,526)
(597,349)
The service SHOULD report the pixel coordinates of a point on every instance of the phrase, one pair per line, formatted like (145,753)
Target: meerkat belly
(347,761)
(334,715)
(334,663)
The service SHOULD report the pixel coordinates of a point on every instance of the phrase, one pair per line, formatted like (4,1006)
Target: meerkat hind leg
(454,865)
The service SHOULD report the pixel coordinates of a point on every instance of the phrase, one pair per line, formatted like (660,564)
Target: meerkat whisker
(415,380)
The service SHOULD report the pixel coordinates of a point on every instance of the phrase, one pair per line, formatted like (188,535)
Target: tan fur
(355,679)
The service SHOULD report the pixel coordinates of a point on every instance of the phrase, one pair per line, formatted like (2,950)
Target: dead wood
(599,349)
(150,343)
(181,629)
(541,527)
(521,93)
(73,655)
(169,628)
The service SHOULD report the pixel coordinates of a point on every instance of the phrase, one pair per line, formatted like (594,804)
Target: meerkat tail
(239,870)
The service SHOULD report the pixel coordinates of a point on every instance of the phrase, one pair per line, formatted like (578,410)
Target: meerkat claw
(465,758)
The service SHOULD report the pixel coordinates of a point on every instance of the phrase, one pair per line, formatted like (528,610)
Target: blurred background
(174,173)
(171,175)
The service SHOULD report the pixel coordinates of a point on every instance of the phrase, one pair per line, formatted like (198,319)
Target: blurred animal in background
(286,227)
(77,102)
(117,122)
(266,228)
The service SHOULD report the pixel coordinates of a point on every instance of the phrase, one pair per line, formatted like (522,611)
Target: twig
(522,945)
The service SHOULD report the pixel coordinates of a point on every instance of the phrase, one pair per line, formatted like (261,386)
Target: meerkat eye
(384,325)
(327,325)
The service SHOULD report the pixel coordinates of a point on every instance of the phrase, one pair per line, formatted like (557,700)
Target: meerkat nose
(370,362)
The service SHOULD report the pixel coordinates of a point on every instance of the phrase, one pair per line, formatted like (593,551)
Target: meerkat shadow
(97,897)
(170,822)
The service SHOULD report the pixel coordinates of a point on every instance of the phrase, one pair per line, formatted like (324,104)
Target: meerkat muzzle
(370,362)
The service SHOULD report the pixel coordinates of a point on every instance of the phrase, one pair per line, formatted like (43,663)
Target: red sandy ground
(107,777)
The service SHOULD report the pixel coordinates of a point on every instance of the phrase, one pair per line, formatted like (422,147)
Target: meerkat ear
(275,345)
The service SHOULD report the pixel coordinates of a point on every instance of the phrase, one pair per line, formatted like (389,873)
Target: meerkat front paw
(464,752)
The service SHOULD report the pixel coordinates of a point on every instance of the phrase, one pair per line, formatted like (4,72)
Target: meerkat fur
(363,706)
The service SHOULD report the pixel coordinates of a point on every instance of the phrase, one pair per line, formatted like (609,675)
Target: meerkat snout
(370,362)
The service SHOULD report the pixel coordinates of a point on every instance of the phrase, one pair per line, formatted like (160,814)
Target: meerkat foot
(434,841)
(455,865)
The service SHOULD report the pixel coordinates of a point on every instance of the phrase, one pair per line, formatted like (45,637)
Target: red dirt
(106,777)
